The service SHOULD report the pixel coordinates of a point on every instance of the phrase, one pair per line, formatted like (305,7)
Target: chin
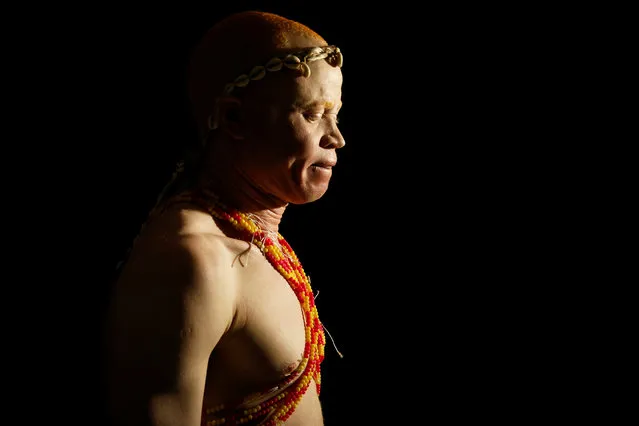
(316,195)
(310,186)
(308,196)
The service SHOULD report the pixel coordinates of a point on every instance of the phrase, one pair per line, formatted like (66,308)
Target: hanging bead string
(280,254)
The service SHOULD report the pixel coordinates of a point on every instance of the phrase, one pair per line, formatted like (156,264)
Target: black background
(439,251)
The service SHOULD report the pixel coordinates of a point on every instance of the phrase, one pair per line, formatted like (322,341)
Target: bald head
(234,46)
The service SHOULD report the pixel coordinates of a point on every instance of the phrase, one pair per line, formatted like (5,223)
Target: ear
(229,115)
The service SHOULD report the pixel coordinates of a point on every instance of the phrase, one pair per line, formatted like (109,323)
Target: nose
(333,138)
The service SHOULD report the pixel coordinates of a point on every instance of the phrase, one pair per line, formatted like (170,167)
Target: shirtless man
(212,319)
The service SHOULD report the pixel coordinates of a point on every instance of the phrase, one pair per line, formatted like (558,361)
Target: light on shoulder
(195,264)
(196,267)
(206,256)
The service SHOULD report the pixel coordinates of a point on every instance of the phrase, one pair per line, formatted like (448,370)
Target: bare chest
(267,343)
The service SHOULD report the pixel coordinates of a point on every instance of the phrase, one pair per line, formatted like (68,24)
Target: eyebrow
(325,104)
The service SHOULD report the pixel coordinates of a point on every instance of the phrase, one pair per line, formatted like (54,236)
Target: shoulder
(191,261)
(177,287)
(181,242)
(185,257)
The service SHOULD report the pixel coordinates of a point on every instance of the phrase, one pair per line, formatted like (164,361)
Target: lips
(325,164)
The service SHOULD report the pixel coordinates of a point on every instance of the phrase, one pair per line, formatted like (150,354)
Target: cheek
(300,135)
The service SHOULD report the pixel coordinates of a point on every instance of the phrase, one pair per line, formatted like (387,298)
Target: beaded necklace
(279,407)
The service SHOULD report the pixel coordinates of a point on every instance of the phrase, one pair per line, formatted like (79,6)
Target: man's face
(291,133)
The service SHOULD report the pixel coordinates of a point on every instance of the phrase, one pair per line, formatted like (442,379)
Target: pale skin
(193,325)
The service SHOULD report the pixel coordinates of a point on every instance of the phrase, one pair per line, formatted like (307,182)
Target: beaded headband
(295,61)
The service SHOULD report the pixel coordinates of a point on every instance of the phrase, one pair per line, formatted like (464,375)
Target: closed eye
(313,116)
(318,116)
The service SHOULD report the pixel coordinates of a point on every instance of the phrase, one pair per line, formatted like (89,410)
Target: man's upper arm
(169,310)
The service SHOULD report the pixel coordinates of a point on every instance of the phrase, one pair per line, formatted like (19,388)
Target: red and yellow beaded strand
(281,406)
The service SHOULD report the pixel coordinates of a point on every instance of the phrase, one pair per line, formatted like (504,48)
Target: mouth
(327,165)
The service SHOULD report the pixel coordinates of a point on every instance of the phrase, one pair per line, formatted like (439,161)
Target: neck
(235,190)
